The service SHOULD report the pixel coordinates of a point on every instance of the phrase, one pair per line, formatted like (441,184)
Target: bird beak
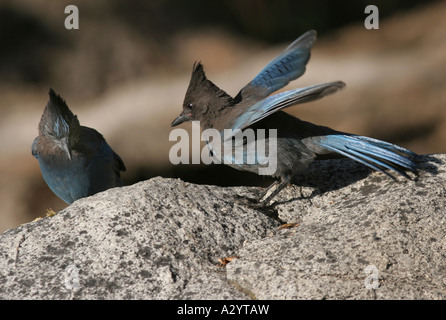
(183,117)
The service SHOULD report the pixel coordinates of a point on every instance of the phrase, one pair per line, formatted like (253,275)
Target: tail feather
(376,154)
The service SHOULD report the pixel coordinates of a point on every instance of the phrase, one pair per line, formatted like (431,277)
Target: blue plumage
(75,161)
(298,143)
(376,154)
(289,65)
(271,104)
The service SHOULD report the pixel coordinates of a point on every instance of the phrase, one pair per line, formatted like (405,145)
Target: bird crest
(201,88)
(57,119)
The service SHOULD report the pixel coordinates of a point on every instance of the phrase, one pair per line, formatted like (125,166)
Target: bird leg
(277,186)
(264,193)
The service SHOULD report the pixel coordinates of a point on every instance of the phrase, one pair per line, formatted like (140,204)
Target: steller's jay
(75,161)
(298,142)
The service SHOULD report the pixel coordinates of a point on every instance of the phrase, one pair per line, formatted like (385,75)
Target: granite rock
(349,234)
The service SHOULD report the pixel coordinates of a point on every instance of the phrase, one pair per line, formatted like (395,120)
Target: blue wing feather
(289,65)
(266,107)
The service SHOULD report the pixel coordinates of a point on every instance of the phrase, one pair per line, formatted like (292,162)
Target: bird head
(202,97)
(59,123)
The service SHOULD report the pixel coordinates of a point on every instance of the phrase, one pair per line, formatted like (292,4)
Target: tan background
(125,72)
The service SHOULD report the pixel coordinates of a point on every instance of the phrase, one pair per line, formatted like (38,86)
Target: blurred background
(126,70)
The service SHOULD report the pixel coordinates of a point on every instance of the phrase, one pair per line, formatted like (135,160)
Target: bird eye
(190,105)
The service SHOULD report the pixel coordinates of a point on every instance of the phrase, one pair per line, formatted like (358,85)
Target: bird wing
(94,145)
(120,166)
(289,65)
(112,157)
(268,106)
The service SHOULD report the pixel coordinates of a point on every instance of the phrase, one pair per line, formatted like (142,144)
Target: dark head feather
(57,119)
(203,91)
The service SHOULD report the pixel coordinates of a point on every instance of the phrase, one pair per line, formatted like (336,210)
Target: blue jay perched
(75,161)
(298,142)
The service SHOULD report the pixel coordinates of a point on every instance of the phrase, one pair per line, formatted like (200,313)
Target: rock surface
(356,235)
